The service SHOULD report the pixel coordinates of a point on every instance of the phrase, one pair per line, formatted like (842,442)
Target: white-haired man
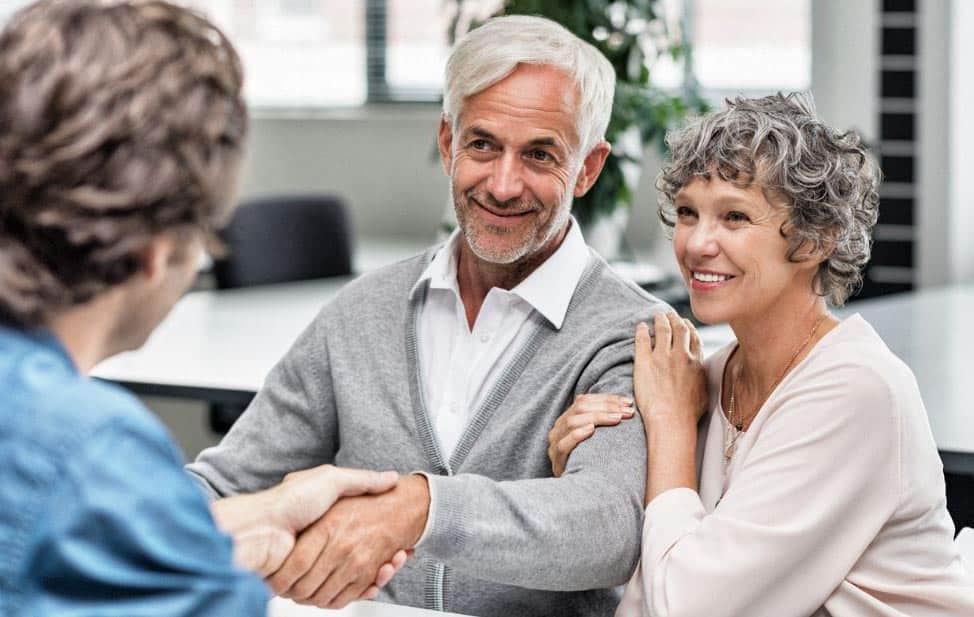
(455,364)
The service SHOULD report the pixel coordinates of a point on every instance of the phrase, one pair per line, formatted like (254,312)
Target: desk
(219,345)
(279,607)
(932,331)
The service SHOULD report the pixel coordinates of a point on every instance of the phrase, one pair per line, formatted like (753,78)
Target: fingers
(389,570)
(370,594)
(680,332)
(300,561)
(644,343)
(346,583)
(599,418)
(361,481)
(663,333)
(561,447)
(598,402)
(695,345)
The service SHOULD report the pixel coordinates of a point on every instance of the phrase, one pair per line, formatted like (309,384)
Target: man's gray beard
(515,253)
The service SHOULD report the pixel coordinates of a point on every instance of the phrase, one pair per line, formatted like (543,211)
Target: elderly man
(455,364)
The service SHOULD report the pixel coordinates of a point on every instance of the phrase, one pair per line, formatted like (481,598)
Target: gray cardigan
(506,538)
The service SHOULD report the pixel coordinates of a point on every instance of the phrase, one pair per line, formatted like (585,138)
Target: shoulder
(375,294)
(394,280)
(854,379)
(52,408)
(605,299)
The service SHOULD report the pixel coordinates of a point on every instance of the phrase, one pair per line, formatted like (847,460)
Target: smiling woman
(819,489)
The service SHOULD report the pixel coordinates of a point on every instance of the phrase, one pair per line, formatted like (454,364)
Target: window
(304,54)
(751,45)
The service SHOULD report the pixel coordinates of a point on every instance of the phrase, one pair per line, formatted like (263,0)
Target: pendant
(731,436)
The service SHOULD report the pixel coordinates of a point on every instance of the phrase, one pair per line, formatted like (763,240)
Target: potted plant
(633,35)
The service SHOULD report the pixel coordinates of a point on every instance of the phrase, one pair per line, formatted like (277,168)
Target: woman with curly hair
(793,472)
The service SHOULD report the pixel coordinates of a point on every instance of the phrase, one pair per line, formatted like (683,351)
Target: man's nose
(505,182)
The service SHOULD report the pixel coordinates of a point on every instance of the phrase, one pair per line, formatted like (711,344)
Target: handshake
(327,536)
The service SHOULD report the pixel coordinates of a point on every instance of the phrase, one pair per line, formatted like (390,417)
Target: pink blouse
(833,503)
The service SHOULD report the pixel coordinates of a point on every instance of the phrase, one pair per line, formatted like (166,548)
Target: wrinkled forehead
(542,91)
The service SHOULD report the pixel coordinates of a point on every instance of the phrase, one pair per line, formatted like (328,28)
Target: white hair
(488,54)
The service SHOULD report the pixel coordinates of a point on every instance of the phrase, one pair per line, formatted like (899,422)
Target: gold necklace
(733,430)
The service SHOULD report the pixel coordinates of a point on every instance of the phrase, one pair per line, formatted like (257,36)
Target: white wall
(381,160)
(845,47)
(961,131)
(933,214)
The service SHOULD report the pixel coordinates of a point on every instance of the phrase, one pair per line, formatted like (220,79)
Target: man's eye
(540,155)
(479,144)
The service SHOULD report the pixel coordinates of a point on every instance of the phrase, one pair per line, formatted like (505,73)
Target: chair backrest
(285,238)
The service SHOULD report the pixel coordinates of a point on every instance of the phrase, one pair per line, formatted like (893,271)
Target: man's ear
(591,168)
(444,141)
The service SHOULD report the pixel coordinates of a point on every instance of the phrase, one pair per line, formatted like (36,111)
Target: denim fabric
(97,516)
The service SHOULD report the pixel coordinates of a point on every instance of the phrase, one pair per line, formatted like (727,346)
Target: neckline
(813,351)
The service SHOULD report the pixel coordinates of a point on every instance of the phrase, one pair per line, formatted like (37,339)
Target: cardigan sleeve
(575,532)
(291,424)
(819,482)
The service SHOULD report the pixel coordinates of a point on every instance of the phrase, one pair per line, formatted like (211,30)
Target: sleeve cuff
(432,511)
(669,516)
(444,535)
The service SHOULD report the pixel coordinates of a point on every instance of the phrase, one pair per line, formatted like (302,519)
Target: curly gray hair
(827,177)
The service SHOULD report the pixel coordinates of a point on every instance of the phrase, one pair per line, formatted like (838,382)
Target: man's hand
(263,525)
(337,558)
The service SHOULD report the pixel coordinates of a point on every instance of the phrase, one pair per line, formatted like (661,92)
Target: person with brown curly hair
(121,131)
(808,482)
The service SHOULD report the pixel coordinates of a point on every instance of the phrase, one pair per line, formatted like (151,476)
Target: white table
(932,331)
(219,345)
(280,607)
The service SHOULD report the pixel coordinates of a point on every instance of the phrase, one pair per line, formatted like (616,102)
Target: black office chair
(285,238)
(279,239)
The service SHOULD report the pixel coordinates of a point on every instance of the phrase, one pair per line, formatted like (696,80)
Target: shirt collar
(549,289)
(441,272)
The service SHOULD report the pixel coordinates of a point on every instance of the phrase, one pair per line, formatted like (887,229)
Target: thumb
(350,482)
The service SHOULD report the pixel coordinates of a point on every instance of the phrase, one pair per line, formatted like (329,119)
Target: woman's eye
(737,217)
(683,212)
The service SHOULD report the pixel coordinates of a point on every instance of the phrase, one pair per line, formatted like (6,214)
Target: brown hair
(118,120)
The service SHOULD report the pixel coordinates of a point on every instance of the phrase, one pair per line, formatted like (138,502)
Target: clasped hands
(327,536)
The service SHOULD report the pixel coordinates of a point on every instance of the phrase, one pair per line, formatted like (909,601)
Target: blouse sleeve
(812,493)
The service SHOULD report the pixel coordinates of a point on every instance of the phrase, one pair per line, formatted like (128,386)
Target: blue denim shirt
(97,516)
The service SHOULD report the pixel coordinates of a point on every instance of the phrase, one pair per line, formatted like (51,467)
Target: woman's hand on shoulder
(579,421)
(669,378)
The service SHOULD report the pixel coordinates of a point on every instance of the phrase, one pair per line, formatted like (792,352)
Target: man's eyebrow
(480,132)
(543,141)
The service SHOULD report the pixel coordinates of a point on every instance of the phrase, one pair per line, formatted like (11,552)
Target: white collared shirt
(459,364)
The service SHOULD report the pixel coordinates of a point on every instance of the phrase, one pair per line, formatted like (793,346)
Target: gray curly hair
(826,177)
